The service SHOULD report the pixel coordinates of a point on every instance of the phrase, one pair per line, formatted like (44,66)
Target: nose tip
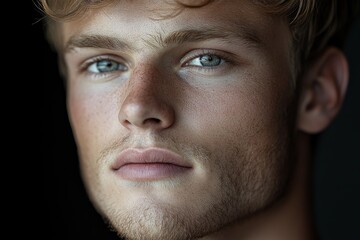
(149,113)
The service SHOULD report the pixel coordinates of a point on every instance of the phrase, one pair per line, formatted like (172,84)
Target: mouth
(149,164)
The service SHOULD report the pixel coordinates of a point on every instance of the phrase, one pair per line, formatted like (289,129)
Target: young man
(195,119)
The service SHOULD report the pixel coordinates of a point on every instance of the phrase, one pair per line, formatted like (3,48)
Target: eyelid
(101,76)
(227,57)
(86,64)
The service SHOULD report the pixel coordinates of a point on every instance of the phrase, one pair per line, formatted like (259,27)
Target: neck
(290,218)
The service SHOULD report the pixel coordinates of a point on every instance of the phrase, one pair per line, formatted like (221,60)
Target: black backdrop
(69,215)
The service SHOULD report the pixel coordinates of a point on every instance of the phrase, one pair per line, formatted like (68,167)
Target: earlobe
(323,91)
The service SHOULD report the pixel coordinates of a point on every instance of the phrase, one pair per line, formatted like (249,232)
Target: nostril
(152,121)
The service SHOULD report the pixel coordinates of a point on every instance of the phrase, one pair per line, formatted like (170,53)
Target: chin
(152,220)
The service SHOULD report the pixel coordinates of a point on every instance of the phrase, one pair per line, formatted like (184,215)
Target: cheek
(238,113)
(92,118)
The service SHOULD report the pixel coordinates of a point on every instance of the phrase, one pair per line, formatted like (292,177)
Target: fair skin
(212,90)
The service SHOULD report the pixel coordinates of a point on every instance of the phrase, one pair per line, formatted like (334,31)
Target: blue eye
(208,60)
(105,66)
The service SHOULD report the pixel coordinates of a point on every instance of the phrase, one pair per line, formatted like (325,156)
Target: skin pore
(213,85)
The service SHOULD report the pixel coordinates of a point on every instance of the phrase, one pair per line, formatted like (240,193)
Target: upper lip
(148,156)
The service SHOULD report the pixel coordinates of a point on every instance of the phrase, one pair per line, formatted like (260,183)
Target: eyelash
(224,58)
(85,67)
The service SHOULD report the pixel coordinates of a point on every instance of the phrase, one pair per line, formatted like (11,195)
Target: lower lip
(150,171)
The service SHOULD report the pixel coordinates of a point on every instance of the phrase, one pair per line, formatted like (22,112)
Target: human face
(200,101)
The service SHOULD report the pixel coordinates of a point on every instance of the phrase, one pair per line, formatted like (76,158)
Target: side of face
(219,102)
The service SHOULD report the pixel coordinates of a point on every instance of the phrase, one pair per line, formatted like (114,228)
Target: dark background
(69,215)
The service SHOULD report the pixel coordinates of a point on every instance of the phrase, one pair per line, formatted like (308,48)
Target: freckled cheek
(230,113)
(91,116)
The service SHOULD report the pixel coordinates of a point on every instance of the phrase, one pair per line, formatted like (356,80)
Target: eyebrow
(246,36)
(96,41)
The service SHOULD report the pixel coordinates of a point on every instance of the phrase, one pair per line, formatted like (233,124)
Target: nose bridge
(145,102)
(145,83)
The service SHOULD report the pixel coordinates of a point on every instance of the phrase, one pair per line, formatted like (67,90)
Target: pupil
(210,60)
(106,66)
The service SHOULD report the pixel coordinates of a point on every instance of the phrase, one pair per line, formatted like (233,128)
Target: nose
(145,105)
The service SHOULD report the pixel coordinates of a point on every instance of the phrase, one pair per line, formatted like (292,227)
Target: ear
(323,91)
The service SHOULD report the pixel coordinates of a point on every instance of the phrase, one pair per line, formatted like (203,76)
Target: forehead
(136,19)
